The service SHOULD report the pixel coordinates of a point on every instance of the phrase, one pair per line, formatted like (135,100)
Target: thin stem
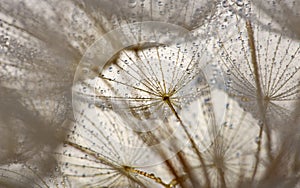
(222,176)
(260,99)
(104,161)
(169,103)
(151,176)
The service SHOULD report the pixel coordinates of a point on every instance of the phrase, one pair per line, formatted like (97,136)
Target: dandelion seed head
(231,155)
(154,86)
(278,71)
(149,100)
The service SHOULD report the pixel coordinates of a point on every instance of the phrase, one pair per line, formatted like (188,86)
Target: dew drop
(239,3)
(212,81)
(85,70)
(225,4)
(131,3)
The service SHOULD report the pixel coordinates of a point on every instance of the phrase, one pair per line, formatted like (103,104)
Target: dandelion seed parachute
(277,58)
(118,88)
(141,76)
(101,151)
(231,158)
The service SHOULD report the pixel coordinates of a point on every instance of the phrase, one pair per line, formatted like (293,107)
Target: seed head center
(166,97)
(267,98)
